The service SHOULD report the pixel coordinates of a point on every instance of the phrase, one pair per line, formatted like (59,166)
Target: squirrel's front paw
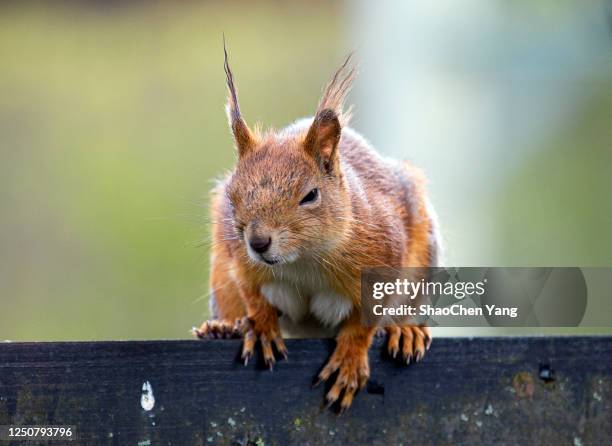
(412,341)
(353,372)
(267,334)
(217,329)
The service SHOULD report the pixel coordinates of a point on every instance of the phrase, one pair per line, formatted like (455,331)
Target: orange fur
(369,212)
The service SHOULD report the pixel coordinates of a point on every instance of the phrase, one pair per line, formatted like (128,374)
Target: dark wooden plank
(476,391)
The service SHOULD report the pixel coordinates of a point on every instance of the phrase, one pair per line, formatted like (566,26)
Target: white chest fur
(300,290)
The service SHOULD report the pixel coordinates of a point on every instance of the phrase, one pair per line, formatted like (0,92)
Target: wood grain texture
(476,391)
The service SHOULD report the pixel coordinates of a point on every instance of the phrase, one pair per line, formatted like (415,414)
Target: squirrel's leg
(412,341)
(350,359)
(226,304)
(260,324)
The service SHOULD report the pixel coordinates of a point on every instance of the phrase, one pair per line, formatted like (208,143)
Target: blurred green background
(112,130)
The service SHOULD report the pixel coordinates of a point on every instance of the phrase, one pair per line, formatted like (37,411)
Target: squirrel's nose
(260,244)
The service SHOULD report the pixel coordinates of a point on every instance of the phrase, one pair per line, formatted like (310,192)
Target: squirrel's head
(288,194)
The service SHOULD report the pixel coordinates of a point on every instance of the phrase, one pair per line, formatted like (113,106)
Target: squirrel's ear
(245,141)
(324,134)
(322,139)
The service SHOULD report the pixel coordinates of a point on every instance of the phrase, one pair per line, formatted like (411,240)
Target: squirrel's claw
(427,333)
(248,345)
(413,341)
(353,372)
(418,344)
(216,329)
(347,399)
(393,346)
(281,347)
(266,339)
(268,354)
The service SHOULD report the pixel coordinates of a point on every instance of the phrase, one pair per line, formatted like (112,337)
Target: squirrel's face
(284,206)
(287,194)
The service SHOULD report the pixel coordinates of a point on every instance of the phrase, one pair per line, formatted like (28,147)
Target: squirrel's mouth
(278,259)
(271,259)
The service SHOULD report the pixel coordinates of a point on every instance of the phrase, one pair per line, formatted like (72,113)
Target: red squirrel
(304,209)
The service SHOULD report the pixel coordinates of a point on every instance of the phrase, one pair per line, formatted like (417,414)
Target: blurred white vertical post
(421,98)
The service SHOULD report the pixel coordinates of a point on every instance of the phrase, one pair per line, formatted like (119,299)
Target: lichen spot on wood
(147,400)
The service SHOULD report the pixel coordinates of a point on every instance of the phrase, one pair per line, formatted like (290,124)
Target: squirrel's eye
(310,196)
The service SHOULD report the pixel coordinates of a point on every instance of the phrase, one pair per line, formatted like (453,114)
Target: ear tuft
(324,134)
(243,136)
(337,89)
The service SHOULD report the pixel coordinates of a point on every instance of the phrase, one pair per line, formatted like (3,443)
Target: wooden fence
(521,390)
